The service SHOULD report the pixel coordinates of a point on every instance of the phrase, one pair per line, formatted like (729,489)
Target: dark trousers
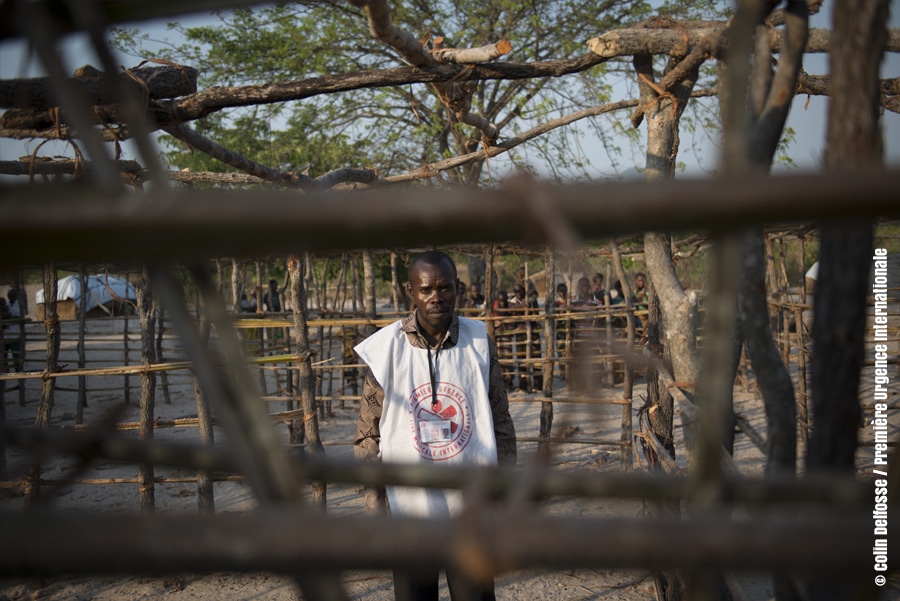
(423,586)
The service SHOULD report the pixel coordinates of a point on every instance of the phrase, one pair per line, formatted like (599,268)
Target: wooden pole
(48,385)
(160,356)
(205,490)
(610,335)
(625,453)
(126,346)
(148,388)
(546,419)
(82,401)
(236,283)
(369,278)
(802,394)
(3,367)
(395,285)
(489,289)
(23,312)
(307,376)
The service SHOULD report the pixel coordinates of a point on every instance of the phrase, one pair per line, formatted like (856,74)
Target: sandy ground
(579,421)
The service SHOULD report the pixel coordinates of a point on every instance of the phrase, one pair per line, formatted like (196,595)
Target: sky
(807,117)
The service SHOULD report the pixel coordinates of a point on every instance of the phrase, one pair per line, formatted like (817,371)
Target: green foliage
(887,235)
(401,128)
(782,151)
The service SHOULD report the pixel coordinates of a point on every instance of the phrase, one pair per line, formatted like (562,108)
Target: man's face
(639,282)
(432,289)
(474,291)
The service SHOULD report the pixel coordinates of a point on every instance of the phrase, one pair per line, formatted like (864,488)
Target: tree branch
(765,133)
(154,82)
(291,180)
(456,96)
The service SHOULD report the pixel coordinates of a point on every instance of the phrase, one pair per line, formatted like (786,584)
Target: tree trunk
(658,395)
(679,309)
(775,383)
(854,142)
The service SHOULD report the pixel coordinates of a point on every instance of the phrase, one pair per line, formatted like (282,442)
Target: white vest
(458,430)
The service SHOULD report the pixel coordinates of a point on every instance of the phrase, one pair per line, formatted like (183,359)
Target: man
(13,297)
(641,300)
(583,293)
(463,301)
(272,297)
(475,295)
(12,345)
(433,395)
(598,290)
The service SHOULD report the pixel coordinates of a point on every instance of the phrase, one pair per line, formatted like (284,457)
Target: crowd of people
(519,340)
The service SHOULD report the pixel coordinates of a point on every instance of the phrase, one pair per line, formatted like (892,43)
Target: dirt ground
(573,420)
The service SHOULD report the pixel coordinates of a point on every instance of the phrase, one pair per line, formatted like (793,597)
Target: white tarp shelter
(101,290)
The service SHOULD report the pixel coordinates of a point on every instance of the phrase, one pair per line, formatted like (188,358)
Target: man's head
(597,281)
(432,288)
(12,295)
(519,291)
(273,284)
(562,291)
(502,300)
(460,289)
(475,291)
(583,288)
(640,281)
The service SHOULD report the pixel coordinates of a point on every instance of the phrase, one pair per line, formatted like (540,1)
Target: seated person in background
(562,294)
(13,297)
(617,297)
(598,290)
(583,293)
(475,296)
(272,297)
(462,301)
(641,300)
(248,305)
(527,305)
(503,334)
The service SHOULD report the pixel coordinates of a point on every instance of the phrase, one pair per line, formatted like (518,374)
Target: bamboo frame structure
(501,529)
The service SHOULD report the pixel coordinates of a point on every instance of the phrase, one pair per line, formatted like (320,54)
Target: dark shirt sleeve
(368,437)
(504,430)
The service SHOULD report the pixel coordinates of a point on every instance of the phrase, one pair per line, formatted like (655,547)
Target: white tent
(101,290)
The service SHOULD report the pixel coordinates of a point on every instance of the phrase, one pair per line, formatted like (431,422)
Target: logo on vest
(443,431)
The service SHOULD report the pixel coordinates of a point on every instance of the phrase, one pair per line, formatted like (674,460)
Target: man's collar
(410,325)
